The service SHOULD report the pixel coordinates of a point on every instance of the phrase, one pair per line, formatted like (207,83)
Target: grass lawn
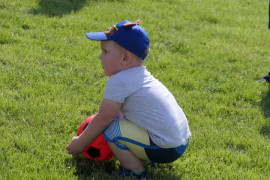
(209,53)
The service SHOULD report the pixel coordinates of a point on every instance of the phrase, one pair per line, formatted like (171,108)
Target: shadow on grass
(86,169)
(164,171)
(265,106)
(58,7)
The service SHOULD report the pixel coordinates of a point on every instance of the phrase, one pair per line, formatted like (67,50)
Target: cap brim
(97,36)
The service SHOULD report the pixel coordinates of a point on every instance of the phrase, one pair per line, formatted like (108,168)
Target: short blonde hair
(122,49)
(119,47)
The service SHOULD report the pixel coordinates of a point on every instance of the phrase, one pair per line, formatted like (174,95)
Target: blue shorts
(129,136)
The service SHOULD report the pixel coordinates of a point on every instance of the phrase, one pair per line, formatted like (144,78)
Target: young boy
(151,125)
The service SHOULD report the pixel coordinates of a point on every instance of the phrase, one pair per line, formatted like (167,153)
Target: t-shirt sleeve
(116,90)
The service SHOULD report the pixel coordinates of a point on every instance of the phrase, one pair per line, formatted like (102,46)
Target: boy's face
(111,58)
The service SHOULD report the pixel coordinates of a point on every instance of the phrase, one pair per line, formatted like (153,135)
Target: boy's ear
(127,58)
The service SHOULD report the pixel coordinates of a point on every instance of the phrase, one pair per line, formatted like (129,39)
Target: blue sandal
(127,173)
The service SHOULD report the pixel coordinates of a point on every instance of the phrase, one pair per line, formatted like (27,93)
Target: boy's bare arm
(107,111)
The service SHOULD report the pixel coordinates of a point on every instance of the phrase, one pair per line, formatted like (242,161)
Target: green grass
(208,53)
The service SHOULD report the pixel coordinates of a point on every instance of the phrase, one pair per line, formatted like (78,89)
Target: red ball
(99,149)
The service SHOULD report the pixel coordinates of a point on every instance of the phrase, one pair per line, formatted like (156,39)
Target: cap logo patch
(111,30)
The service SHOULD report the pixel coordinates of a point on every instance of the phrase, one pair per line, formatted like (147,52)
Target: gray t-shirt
(149,104)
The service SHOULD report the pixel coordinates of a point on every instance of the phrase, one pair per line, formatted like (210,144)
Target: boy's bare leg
(127,159)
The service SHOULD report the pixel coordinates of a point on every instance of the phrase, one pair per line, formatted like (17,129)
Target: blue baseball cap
(129,35)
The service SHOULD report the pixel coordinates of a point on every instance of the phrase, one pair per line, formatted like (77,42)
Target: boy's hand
(107,110)
(75,147)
